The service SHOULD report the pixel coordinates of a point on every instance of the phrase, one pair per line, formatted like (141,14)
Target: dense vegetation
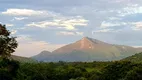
(8,44)
(118,70)
(135,58)
(23,59)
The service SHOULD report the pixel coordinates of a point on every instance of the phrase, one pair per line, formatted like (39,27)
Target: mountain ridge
(22,59)
(134,58)
(88,49)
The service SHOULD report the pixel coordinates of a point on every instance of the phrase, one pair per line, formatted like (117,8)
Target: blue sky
(49,24)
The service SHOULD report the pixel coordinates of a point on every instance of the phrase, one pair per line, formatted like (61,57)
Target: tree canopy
(8,44)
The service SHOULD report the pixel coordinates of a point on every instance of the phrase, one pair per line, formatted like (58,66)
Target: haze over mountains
(23,59)
(88,49)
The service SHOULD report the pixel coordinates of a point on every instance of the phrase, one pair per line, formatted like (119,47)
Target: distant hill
(88,49)
(42,56)
(134,58)
(23,59)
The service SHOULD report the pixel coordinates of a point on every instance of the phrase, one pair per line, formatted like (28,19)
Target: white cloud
(105,31)
(19,18)
(130,10)
(13,32)
(64,22)
(56,19)
(42,24)
(23,12)
(136,25)
(105,24)
(9,25)
(80,33)
(29,47)
(68,33)
(114,18)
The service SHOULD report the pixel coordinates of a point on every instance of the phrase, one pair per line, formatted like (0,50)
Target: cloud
(68,23)
(19,18)
(105,24)
(136,26)
(67,33)
(29,47)
(114,18)
(106,31)
(103,30)
(130,10)
(23,12)
(9,25)
(13,32)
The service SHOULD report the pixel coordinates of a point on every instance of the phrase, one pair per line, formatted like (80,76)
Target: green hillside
(22,59)
(135,58)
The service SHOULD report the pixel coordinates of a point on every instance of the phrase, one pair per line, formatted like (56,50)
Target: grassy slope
(23,59)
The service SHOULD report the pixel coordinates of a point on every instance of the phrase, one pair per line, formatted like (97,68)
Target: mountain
(88,49)
(23,59)
(134,58)
(139,49)
(42,56)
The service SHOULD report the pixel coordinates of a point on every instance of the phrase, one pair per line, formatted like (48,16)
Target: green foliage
(134,58)
(8,69)
(8,44)
(23,59)
(118,70)
(60,71)
(134,74)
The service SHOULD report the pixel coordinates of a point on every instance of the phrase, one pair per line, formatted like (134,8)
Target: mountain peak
(86,43)
(85,37)
(90,43)
(45,51)
(87,49)
(92,40)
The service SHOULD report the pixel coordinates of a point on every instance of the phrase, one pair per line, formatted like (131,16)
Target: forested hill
(23,59)
(135,58)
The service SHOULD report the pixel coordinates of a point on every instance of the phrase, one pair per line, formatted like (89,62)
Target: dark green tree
(116,70)
(134,74)
(8,44)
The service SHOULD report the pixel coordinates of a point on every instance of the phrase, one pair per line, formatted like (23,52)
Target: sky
(49,24)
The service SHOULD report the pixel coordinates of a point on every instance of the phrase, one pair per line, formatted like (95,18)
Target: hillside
(135,58)
(42,56)
(88,49)
(22,59)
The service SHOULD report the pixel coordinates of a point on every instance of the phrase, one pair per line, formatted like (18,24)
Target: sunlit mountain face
(88,49)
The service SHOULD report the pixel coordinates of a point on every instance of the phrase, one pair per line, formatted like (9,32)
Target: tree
(116,70)
(134,74)
(8,44)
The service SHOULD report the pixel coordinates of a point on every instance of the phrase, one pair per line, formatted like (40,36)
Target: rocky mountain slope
(88,49)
